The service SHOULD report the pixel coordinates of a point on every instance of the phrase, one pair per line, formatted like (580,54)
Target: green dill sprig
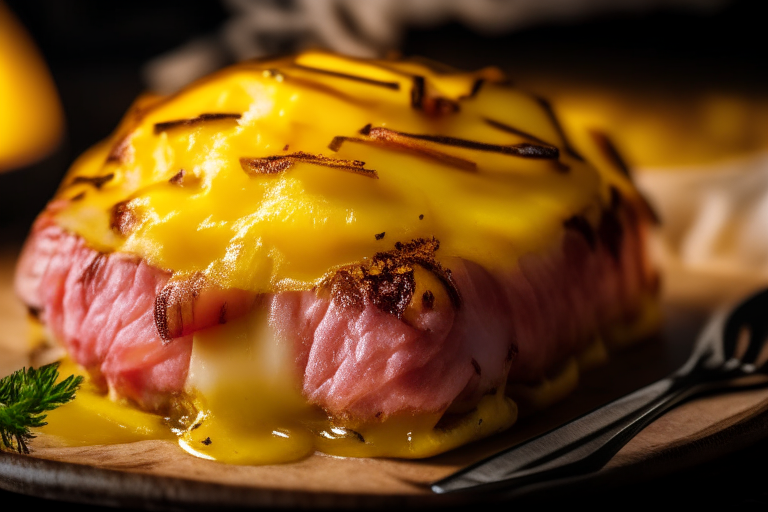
(25,395)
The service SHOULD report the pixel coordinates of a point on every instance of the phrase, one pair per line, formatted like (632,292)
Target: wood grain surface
(159,474)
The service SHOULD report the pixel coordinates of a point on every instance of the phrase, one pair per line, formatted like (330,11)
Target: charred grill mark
(418,91)
(339,140)
(610,232)
(433,106)
(387,281)
(428,299)
(476,366)
(395,86)
(605,144)
(96,181)
(122,151)
(581,225)
(556,123)
(90,272)
(174,304)
(202,118)
(280,163)
(406,145)
(476,87)
(123,219)
(516,131)
(223,314)
(161,315)
(524,150)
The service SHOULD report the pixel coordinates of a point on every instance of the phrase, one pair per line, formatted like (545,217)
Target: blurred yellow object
(31,117)
(663,129)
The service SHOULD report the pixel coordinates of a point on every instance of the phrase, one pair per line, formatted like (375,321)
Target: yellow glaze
(287,230)
(31,118)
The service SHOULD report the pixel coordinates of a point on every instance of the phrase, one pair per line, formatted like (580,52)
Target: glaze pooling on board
(237,175)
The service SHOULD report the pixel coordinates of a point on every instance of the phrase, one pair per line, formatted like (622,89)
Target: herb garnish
(24,396)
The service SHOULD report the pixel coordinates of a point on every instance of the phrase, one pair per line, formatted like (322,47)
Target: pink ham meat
(132,328)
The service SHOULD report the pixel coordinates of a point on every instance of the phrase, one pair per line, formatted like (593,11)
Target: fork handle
(563,445)
(581,446)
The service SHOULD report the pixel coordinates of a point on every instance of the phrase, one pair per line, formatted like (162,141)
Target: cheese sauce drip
(268,174)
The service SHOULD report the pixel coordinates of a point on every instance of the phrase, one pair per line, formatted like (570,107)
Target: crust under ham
(130,325)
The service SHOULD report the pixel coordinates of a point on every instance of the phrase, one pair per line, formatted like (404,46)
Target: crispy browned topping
(524,149)
(428,299)
(280,163)
(556,123)
(202,118)
(122,151)
(379,236)
(96,181)
(581,225)
(124,218)
(178,178)
(370,81)
(392,141)
(605,144)
(174,303)
(387,281)
(430,105)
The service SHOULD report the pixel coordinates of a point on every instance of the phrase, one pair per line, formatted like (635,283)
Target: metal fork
(731,346)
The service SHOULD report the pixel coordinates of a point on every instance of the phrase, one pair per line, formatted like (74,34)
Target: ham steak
(401,334)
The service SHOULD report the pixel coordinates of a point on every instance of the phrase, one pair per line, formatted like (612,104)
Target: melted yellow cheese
(287,230)
(31,118)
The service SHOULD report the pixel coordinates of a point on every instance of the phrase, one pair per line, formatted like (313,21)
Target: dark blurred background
(98,53)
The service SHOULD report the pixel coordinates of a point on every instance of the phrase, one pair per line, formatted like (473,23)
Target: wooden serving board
(158,474)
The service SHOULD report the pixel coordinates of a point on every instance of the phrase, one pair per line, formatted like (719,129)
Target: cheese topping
(267,175)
